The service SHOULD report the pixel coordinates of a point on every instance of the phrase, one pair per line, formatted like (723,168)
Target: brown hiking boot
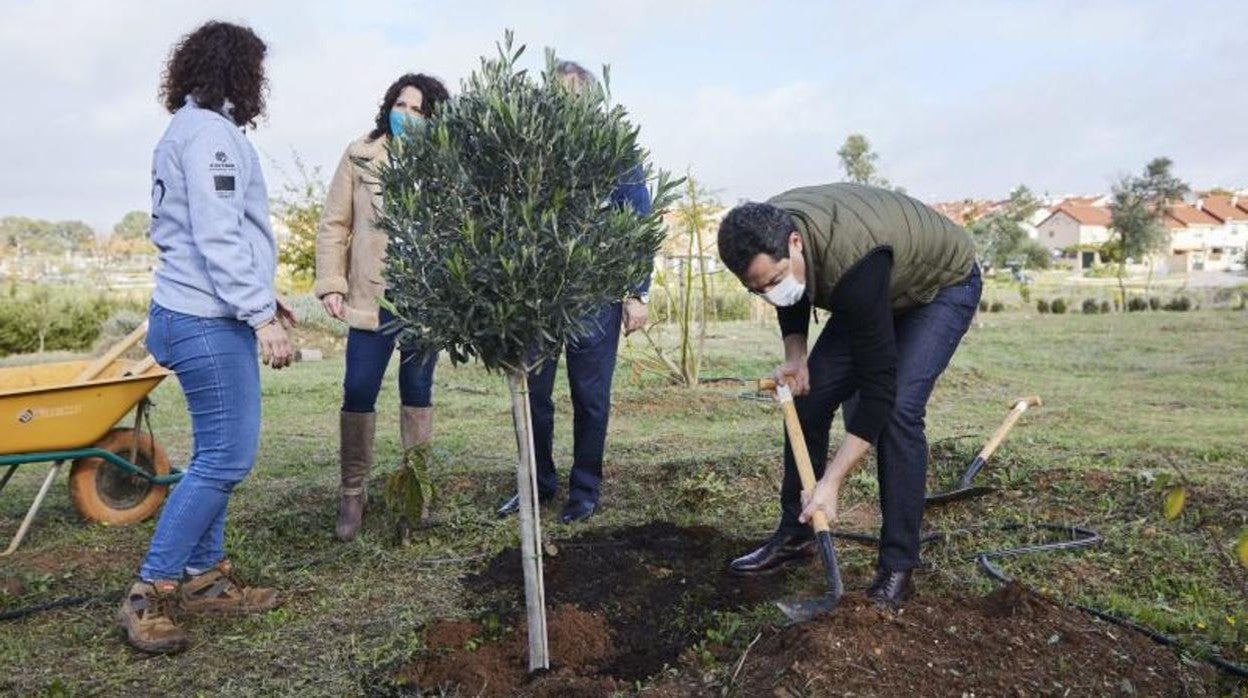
(147,618)
(356,431)
(219,590)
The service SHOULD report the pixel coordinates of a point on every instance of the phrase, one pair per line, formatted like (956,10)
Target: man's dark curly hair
(752,229)
(432,92)
(216,63)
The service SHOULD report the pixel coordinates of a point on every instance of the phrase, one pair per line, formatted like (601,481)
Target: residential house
(1226,244)
(1193,233)
(1077,230)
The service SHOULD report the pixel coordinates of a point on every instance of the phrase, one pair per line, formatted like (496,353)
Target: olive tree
(503,241)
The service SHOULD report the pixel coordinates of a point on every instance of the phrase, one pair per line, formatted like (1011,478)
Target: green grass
(1128,398)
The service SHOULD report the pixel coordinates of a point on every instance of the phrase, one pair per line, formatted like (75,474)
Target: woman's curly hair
(432,92)
(216,63)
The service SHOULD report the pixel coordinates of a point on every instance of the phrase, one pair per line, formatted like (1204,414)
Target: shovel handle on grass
(1019,406)
(1016,410)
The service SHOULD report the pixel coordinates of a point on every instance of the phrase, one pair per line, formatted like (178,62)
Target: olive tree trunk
(530,522)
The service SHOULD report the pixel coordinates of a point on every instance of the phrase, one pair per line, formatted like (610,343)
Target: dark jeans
(216,362)
(591,364)
(368,355)
(927,336)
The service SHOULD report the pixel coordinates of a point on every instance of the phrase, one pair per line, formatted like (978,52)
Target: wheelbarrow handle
(97,367)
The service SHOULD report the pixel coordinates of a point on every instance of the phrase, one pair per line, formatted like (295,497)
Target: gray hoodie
(210,220)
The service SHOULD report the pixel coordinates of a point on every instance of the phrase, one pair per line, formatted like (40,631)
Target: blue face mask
(403,124)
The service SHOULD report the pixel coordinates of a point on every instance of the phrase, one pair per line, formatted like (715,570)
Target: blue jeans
(368,354)
(217,365)
(591,365)
(926,337)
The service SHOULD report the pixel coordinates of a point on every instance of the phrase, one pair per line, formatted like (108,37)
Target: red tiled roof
(965,211)
(1084,214)
(1190,215)
(1222,208)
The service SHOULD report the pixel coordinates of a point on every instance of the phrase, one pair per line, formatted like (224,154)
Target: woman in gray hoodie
(214,302)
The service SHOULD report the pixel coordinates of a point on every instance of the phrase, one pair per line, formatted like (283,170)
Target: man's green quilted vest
(841,223)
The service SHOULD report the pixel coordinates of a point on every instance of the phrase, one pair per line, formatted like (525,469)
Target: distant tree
(858,160)
(299,208)
(35,236)
(694,218)
(1022,203)
(75,236)
(1137,209)
(130,236)
(1001,238)
(135,225)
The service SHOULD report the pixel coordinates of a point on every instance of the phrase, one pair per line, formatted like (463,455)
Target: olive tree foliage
(504,240)
(503,236)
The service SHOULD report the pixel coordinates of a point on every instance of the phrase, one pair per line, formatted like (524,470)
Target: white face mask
(787,292)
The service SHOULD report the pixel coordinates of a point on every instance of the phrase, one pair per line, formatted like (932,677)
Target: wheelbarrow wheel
(106,494)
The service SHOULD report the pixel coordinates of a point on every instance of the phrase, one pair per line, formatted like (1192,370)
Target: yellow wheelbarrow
(69,411)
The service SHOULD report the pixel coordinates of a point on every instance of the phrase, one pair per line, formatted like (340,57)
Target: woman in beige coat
(350,255)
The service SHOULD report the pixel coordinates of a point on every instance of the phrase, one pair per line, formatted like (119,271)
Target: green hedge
(44,320)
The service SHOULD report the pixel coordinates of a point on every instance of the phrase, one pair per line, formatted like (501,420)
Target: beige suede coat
(350,249)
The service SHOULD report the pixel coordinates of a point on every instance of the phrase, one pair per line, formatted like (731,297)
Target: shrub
(1154,303)
(983,306)
(996,307)
(1042,306)
(1136,304)
(1058,306)
(1090,307)
(42,320)
(1179,304)
(1024,292)
(121,323)
(1104,307)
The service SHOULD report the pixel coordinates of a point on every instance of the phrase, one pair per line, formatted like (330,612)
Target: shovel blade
(956,495)
(800,611)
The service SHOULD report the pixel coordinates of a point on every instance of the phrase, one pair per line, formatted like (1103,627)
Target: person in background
(213,303)
(902,286)
(350,256)
(591,366)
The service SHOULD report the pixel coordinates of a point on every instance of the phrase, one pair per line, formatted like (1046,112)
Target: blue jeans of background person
(368,355)
(591,365)
(217,365)
(926,337)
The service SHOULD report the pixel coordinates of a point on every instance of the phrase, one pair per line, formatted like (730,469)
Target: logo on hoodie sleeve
(222,175)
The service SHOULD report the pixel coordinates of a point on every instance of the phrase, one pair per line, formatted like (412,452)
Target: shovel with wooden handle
(806,609)
(964,488)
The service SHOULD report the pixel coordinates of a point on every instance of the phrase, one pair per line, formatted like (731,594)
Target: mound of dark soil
(1011,642)
(627,603)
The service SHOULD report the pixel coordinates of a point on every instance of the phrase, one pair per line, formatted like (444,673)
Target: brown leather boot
(219,590)
(356,434)
(416,429)
(146,616)
(415,426)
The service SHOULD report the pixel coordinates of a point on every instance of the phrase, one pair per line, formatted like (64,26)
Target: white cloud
(960,98)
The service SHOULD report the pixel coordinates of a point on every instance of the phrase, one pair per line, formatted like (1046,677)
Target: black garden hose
(1080,537)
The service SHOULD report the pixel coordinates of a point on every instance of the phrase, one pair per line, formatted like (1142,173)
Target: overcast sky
(961,99)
